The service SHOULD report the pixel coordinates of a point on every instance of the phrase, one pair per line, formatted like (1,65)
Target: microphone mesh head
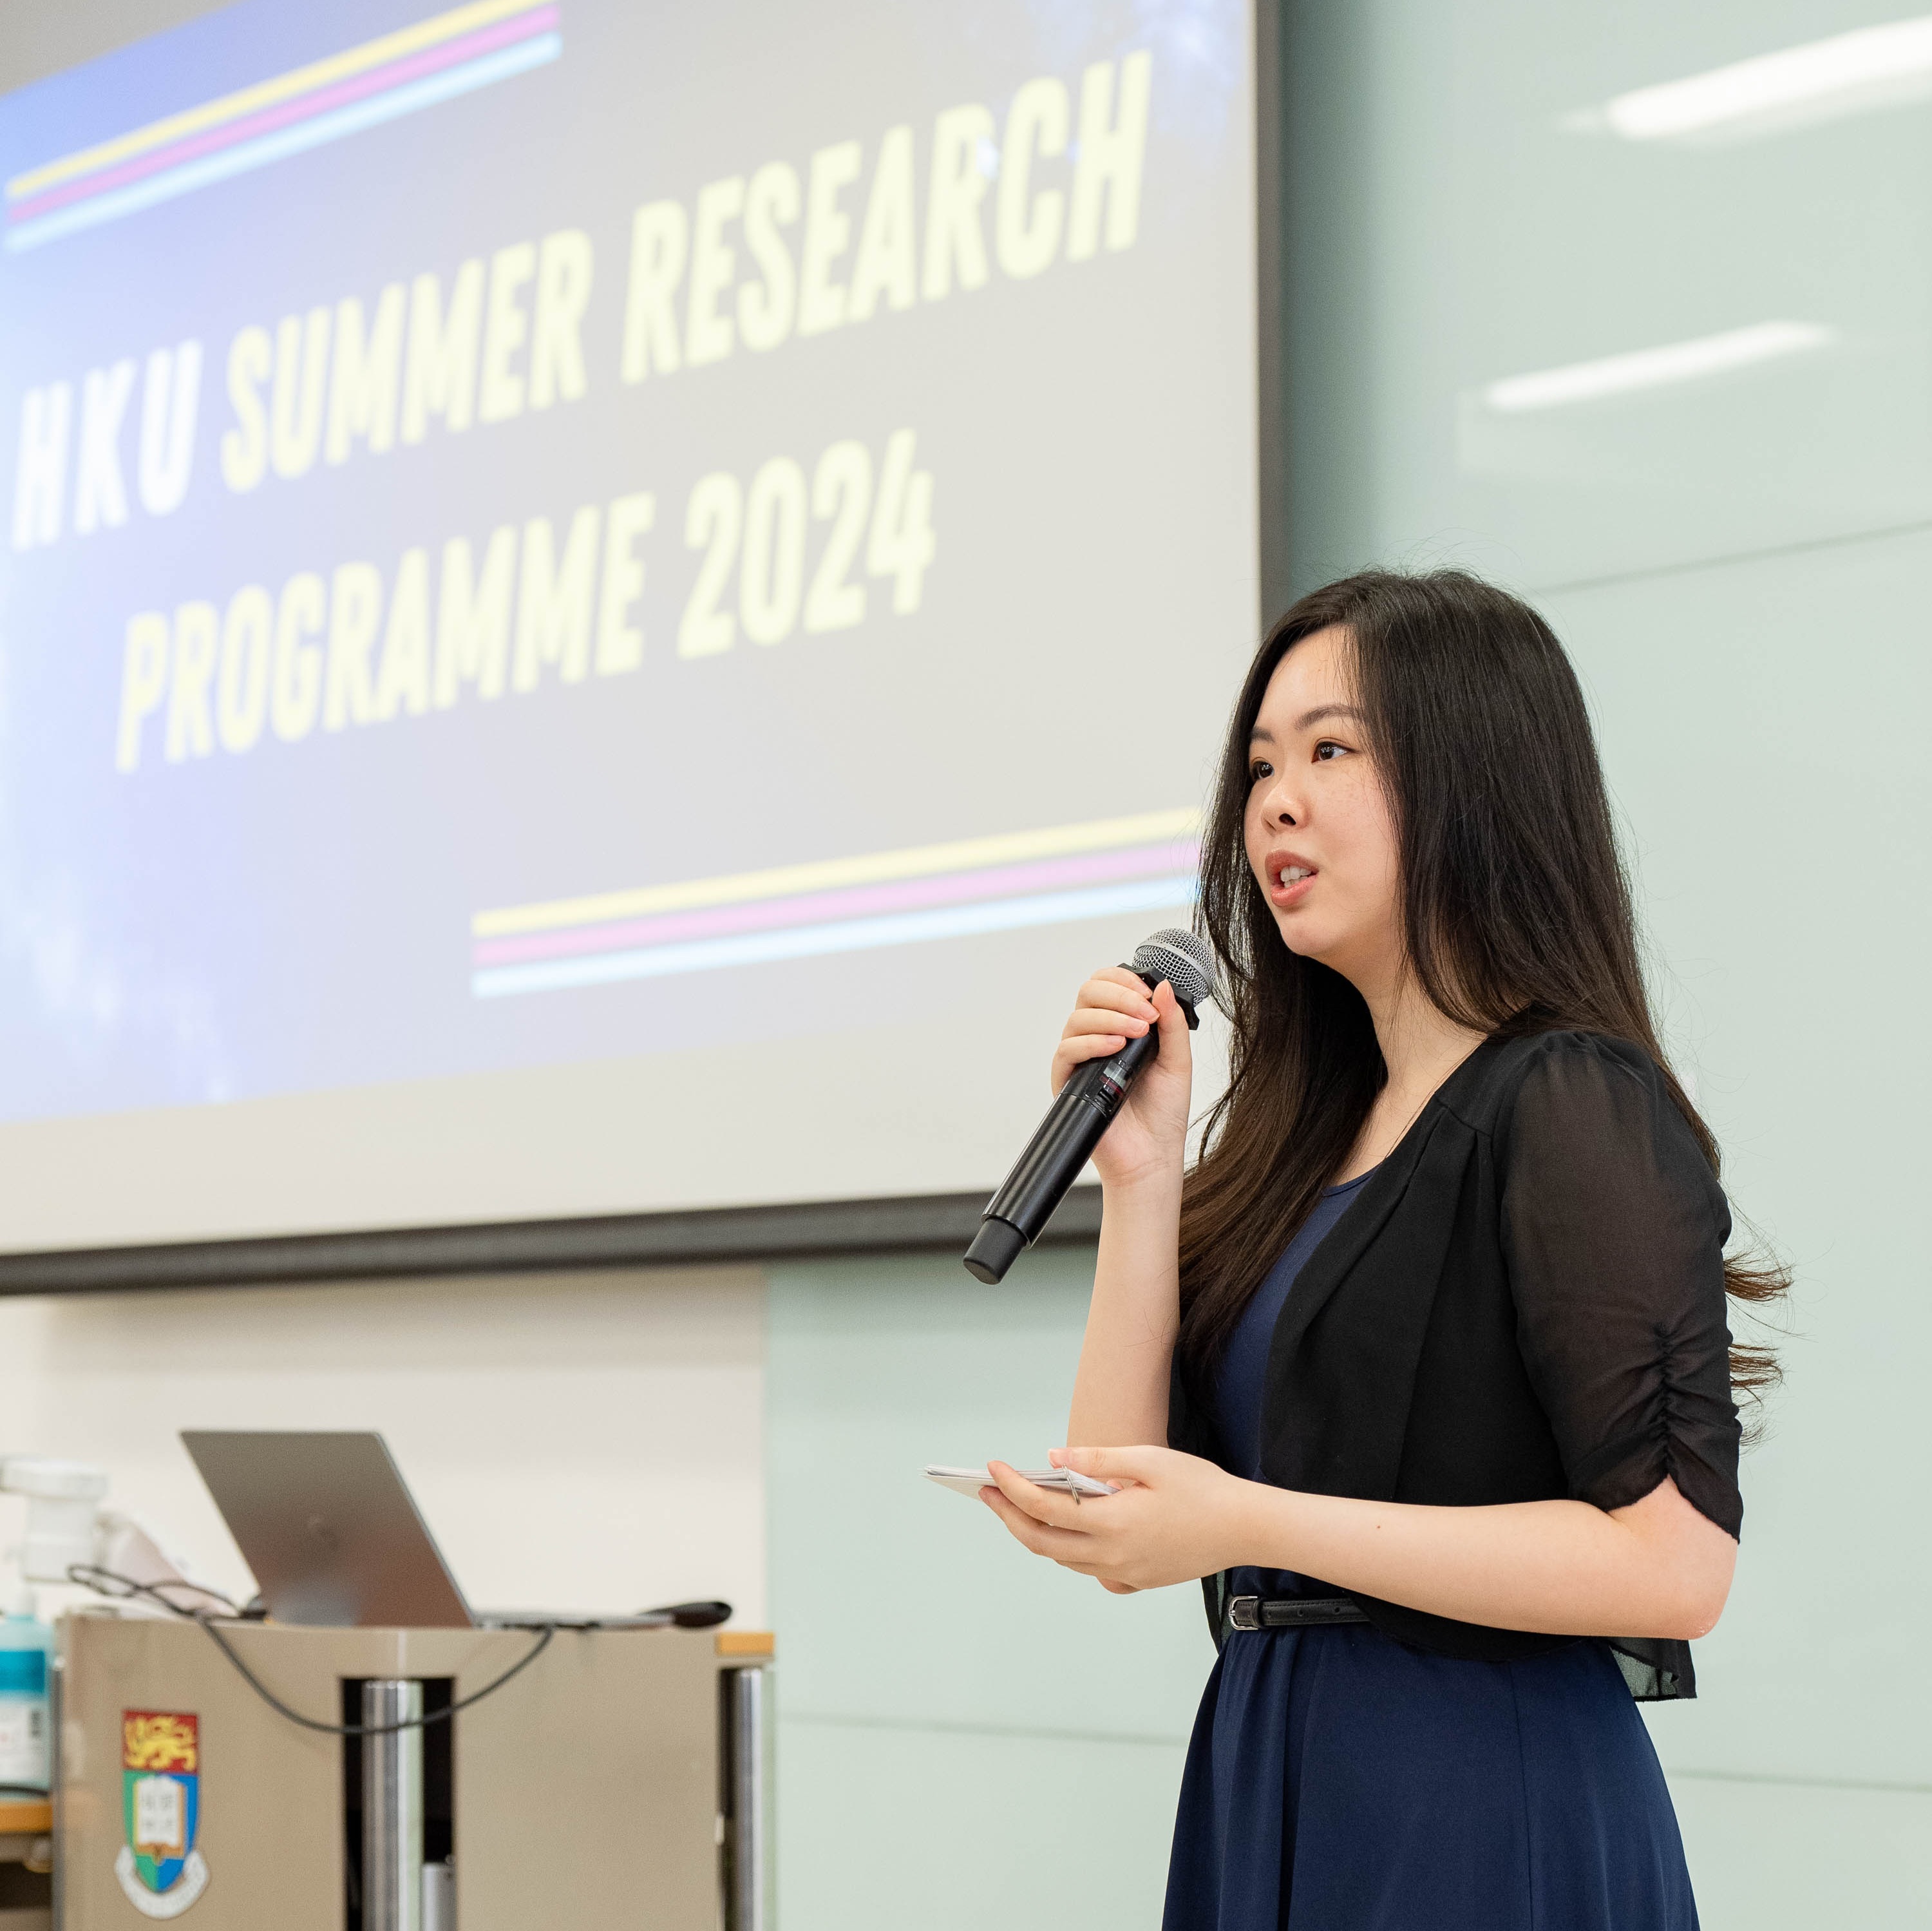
(1186,962)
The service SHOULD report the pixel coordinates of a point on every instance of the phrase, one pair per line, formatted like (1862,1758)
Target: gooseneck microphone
(1083,1109)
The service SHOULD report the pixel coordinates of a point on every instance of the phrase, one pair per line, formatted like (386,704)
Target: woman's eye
(1330,750)
(1259,768)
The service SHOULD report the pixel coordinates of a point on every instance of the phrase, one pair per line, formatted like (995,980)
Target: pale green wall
(968,1738)
(1742,569)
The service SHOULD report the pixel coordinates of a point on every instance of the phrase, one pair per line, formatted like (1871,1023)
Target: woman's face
(1321,838)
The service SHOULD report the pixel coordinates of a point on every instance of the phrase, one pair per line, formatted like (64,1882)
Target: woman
(1439,1318)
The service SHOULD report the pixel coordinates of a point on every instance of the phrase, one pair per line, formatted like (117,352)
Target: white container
(63,1499)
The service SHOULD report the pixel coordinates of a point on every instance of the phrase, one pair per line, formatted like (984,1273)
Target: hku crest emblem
(159,1867)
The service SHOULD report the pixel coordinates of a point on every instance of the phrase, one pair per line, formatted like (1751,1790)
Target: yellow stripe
(266,93)
(920,861)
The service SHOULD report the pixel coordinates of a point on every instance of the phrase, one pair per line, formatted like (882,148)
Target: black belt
(1292,1612)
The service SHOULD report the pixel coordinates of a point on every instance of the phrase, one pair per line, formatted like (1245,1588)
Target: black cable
(544,1637)
(91,1577)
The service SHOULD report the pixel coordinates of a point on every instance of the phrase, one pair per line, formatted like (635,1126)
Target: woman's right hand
(1149,1134)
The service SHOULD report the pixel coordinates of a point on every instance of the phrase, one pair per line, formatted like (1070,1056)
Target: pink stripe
(378,80)
(861,901)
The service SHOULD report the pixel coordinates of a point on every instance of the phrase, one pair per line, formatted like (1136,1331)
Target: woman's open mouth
(1290,877)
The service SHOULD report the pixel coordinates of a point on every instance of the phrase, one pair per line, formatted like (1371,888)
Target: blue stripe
(286,141)
(854,935)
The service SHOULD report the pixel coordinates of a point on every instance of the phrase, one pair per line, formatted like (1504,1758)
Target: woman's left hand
(1176,1517)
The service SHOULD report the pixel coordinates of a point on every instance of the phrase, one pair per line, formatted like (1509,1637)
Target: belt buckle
(1244,1612)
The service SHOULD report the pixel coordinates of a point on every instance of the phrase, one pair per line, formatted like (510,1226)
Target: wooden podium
(619,1781)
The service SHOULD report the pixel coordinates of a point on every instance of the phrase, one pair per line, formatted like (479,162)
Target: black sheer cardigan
(1526,1301)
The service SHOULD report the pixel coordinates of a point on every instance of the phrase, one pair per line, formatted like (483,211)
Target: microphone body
(1082,1111)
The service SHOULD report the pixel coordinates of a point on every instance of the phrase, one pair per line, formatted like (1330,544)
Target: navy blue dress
(1338,1780)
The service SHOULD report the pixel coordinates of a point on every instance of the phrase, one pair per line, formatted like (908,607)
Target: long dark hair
(1515,911)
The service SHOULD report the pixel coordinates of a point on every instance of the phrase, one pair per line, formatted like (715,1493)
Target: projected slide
(546,534)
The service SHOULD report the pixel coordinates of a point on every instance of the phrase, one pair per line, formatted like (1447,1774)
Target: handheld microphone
(1018,1214)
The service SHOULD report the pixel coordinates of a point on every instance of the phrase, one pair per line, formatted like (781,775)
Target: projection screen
(606,605)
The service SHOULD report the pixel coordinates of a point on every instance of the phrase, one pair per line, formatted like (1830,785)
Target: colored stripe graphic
(977,885)
(382,80)
(863,901)
(848,935)
(828,875)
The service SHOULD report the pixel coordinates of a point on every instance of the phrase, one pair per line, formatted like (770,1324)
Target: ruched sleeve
(1613,1229)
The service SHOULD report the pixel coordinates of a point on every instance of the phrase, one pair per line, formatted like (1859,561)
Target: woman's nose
(1281,808)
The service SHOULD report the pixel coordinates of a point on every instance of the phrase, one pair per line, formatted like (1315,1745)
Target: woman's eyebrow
(1323,711)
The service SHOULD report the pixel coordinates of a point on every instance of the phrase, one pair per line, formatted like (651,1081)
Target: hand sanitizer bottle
(26,1646)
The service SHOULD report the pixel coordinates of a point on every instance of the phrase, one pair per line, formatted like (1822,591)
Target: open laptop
(328,1526)
(335,1540)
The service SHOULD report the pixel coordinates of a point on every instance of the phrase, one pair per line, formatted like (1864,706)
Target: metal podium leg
(438,1897)
(748,1756)
(392,1808)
